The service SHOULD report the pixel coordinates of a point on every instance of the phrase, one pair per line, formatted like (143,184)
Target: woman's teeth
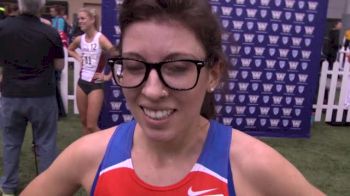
(157,114)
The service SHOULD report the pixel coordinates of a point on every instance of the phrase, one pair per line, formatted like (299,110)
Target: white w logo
(251,13)
(256,75)
(264,110)
(240,109)
(273,39)
(248,37)
(290,88)
(243,86)
(276,14)
(302,77)
(296,123)
(250,121)
(296,41)
(293,64)
(309,30)
(265,2)
(305,54)
(286,28)
(259,51)
(312,5)
(286,111)
(262,26)
(299,17)
(280,76)
(267,87)
(274,122)
(283,52)
(237,24)
(246,62)
(277,99)
(253,98)
(299,100)
(290,3)
(115,105)
(270,63)
(226,11)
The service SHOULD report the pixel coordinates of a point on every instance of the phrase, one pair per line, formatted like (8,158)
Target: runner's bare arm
(258,169)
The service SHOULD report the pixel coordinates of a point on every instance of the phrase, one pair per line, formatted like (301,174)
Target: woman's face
(53,12)
(85,21)
(162,113)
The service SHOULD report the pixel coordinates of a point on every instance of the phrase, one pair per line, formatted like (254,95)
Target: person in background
(334,43)
(76,30)
(93,47)
(28,89)
(57,20)
(347,39)
(12,10)
(170,64)
(59,23)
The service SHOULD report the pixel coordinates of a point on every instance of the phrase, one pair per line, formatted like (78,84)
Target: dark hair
(196,15)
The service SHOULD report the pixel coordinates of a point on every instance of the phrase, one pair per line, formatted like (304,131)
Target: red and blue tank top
(211,175)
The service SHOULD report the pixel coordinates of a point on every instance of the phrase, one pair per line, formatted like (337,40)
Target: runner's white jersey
(91,54)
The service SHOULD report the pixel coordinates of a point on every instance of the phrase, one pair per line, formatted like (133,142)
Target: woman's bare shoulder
(259,167)
(93,145)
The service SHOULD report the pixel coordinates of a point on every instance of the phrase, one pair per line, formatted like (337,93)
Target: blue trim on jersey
(230,185)
(217,148)
(215,154)
(121,143)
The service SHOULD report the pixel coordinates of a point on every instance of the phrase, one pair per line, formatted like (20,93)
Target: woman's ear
(215,74)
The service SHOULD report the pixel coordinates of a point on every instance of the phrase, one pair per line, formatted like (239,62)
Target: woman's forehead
(161,37)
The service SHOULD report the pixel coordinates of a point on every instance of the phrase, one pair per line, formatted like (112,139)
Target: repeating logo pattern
(273,47)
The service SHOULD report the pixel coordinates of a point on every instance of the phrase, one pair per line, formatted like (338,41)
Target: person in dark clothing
(333,44)
(30,51)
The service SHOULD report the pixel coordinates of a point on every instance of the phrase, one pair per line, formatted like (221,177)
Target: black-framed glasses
(179,75)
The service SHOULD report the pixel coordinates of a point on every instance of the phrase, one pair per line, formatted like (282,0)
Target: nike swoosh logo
(190,192)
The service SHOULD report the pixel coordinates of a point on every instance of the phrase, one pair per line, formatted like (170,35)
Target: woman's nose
(153,87)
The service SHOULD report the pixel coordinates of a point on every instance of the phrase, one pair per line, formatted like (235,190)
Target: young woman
(93,47)
(171,61)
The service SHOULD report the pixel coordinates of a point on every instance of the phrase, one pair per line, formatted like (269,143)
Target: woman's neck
(90,33)
(191,140)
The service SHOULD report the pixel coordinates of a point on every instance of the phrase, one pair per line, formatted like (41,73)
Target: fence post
(64,81)
(321,91)
(76,77)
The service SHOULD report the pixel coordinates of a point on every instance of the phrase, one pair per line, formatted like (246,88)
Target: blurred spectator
(28,89)
(59,23)
(347,39)
(57,20)
(333,44)
(12,10)
(76,30)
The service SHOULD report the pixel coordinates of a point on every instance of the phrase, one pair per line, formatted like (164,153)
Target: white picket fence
(337,81)
(65,82)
